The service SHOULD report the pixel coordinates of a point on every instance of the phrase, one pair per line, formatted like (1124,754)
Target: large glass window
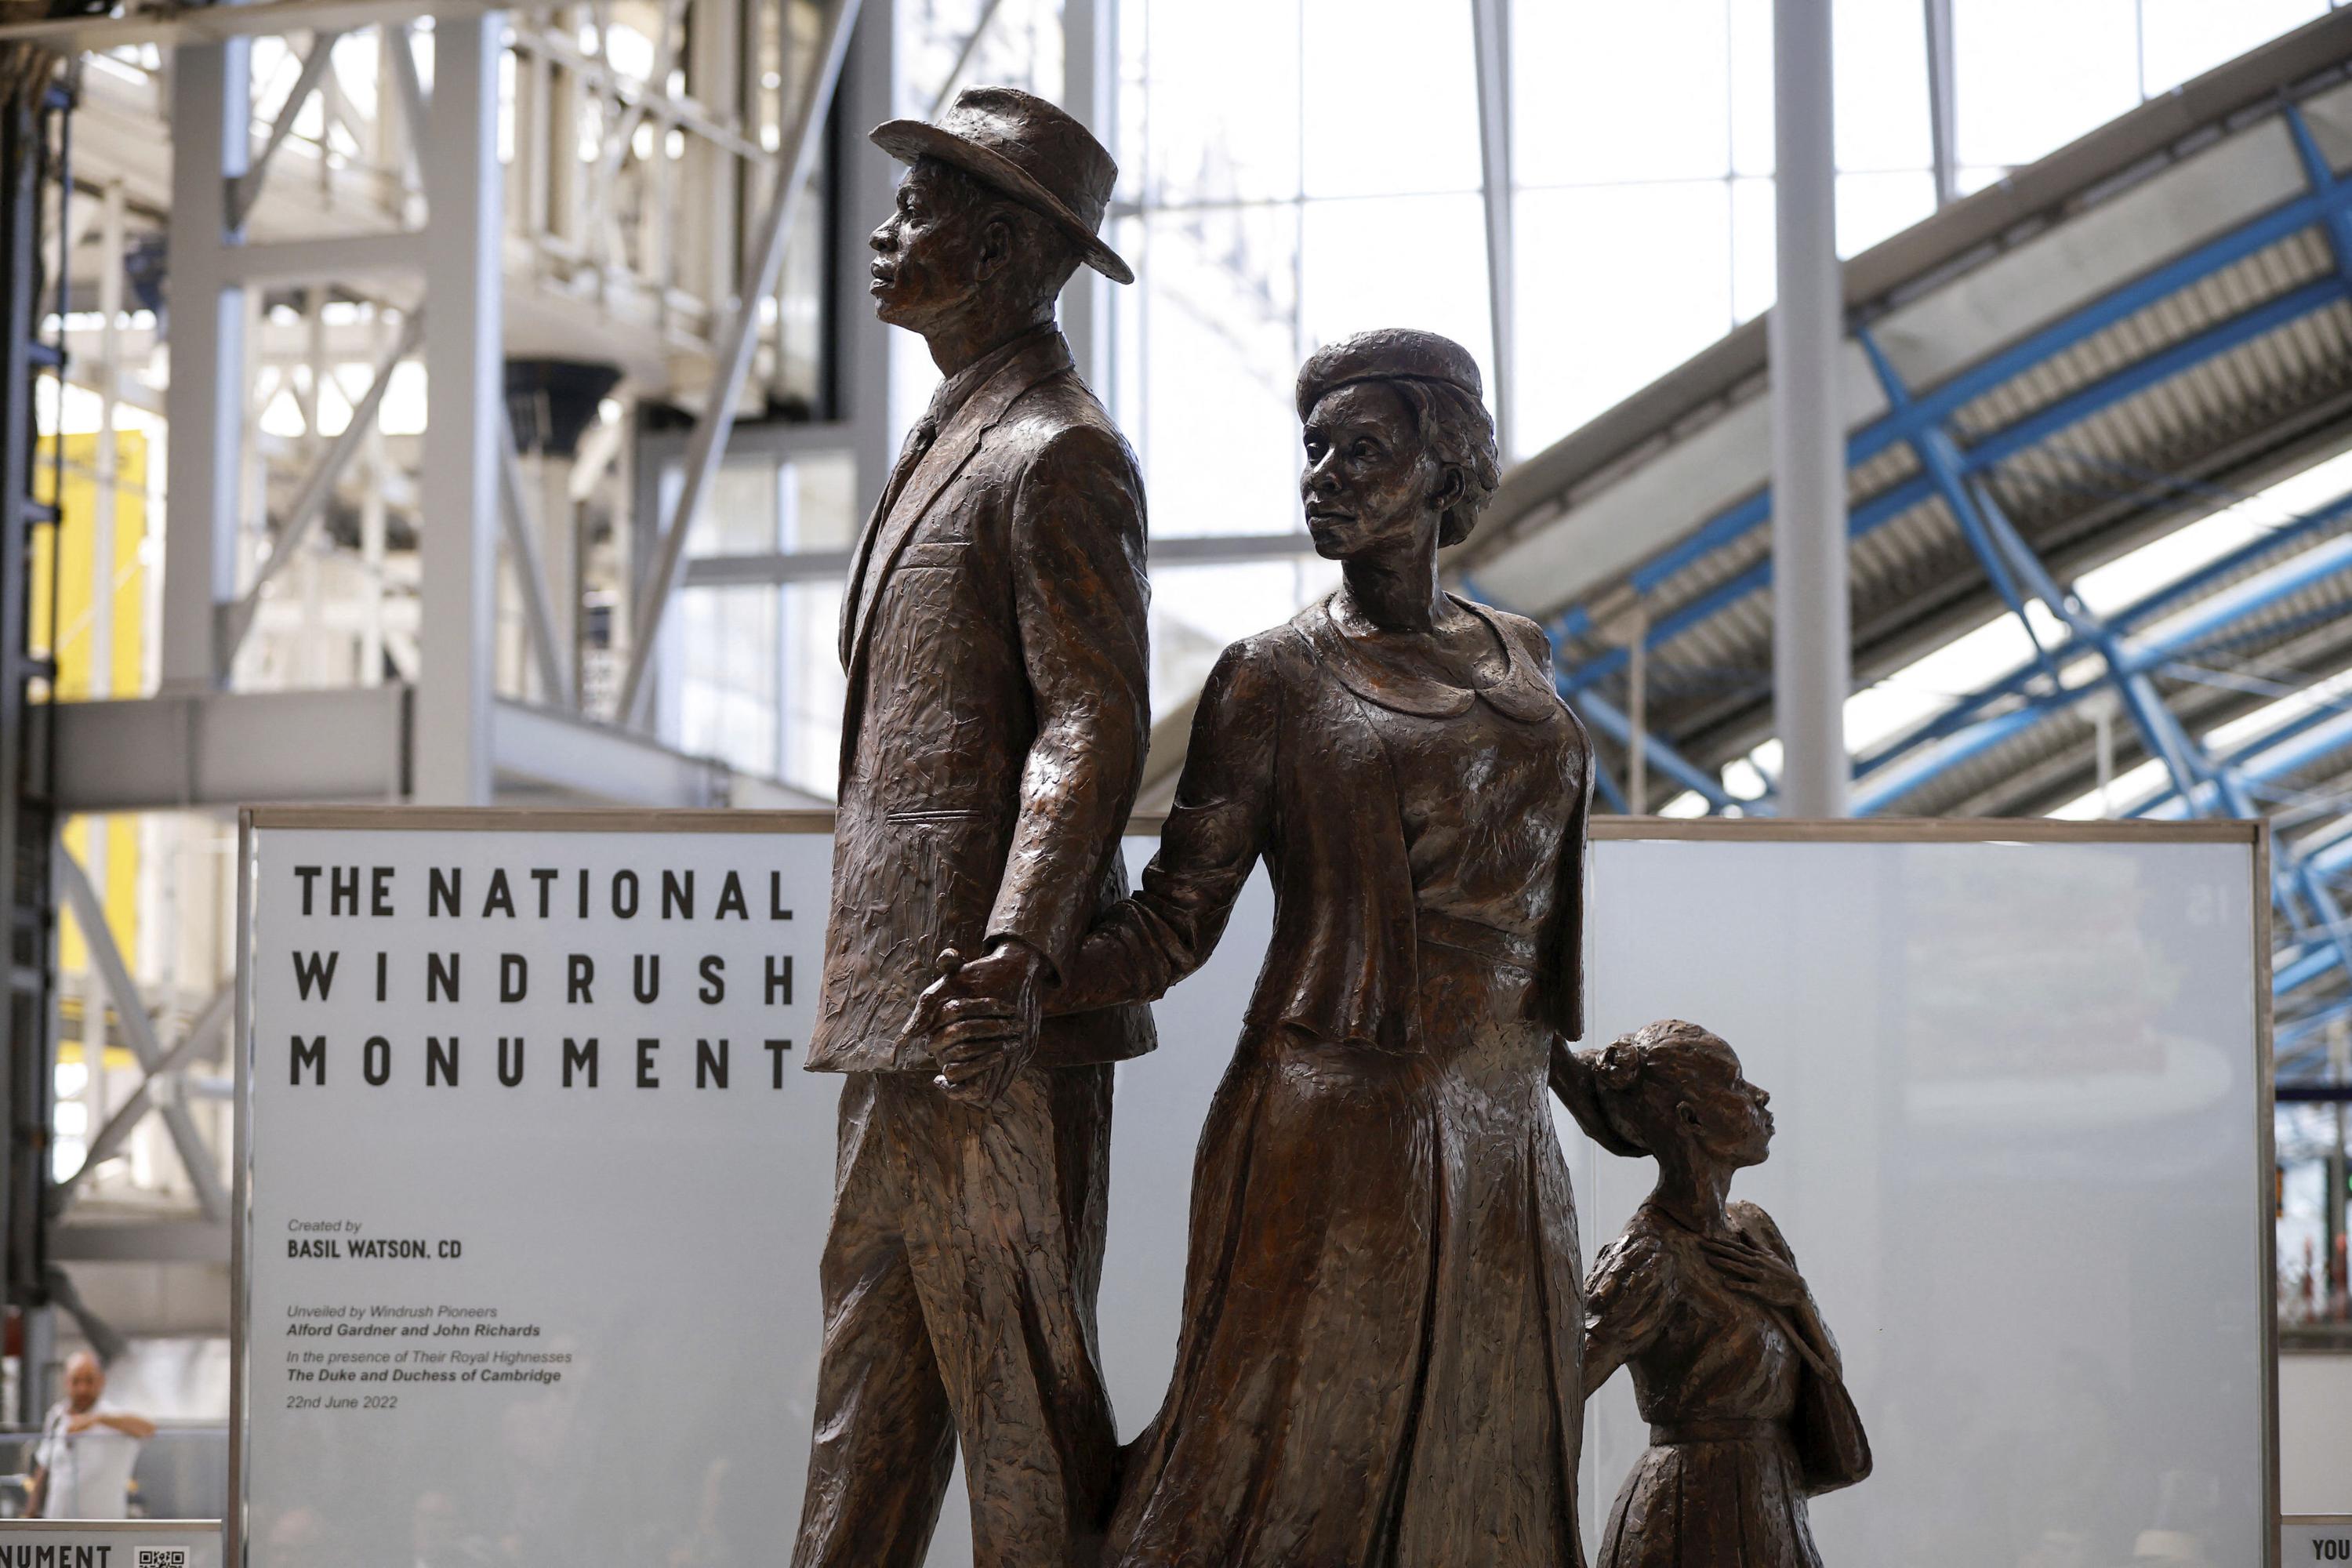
(1293,171)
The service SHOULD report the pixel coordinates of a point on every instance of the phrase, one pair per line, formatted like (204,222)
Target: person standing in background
(83,1467)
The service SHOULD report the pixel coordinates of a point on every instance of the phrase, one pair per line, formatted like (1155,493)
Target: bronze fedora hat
(1028,149)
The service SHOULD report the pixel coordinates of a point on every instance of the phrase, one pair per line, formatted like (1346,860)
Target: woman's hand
(1574,1085)
(1755,1271)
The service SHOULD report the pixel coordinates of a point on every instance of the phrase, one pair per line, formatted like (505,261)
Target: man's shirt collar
(957,389)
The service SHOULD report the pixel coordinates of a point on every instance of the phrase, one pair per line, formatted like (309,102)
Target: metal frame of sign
(2254,835)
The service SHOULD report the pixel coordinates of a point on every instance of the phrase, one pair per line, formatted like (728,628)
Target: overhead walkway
(2118,343)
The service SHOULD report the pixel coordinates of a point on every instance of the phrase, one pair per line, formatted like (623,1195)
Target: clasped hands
(979,1020)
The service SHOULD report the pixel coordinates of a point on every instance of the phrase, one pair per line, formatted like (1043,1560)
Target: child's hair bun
(1619,1065)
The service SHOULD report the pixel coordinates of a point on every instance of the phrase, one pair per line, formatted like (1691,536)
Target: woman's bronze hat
(1389,354)
(1025,147)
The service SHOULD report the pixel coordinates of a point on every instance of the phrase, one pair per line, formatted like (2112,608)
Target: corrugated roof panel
(2200,197)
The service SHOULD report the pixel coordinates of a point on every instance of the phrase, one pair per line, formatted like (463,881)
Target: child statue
(1733,1367)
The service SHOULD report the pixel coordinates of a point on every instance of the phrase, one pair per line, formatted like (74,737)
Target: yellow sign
(66,559)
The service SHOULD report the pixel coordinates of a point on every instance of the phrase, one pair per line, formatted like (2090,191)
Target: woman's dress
(1380,1358)
(1716,1374)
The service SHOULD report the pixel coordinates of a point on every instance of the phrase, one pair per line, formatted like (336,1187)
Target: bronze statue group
(1386,1341)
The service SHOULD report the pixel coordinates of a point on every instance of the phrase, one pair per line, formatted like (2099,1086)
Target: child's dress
(1716,1373)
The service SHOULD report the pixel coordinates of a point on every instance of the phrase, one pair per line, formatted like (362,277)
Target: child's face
(1726,1115)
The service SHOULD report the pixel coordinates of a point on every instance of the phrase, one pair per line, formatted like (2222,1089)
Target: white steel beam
(219,749)
(226,749)
(1813,655)
(138,1032)
(203,1030)
(465,378)
(141,1241)
(247,186)
(823,565)
(211,103)
(340,258)
(179,27)
(407,129)
(310,503)
(316,490)
(1078,16)
(795,163)
(521,533)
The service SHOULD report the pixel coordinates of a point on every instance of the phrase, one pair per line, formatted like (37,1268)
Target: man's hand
(981,1019)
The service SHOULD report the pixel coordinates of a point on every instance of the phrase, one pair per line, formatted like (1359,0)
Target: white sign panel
(2315,1538)
(537,1191)
(537,1187)
(37,1544)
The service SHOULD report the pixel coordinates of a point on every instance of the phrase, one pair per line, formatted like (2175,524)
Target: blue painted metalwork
(2282,755)
(2201,781)
(1605,717)
(1947,470)
(1889,775)
(2321,177)
(2292,1038)
(2328,205)
(2164,806)
(2026,434)
(1611,792)
(2122,651)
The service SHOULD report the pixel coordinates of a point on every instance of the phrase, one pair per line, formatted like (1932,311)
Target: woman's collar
(1523,694)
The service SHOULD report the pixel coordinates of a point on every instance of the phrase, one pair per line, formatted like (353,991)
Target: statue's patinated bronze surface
(1379,1360)
(993,631)
(1732,1365)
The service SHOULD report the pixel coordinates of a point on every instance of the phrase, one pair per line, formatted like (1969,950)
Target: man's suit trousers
(960,1279)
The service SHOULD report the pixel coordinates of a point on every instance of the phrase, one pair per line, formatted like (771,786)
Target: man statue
(995,634)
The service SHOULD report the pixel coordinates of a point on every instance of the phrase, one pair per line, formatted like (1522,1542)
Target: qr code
(163,1557)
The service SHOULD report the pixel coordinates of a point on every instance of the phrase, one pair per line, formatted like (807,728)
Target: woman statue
(1379,1362)
(1733,1367)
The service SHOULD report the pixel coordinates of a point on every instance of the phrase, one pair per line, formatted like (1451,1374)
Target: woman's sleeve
(1220,826)
(1567,1013)
(1625,1303)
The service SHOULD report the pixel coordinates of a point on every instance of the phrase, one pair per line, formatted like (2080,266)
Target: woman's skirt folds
(1379,1362)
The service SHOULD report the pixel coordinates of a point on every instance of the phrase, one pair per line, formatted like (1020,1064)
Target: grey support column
(464,375)
(212,109)
(1811,642)
(1090,91)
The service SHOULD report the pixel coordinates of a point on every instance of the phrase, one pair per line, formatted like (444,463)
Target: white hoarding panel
(532,1302)
(2020,1160)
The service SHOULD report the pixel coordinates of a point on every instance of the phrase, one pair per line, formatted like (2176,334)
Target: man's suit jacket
(995,637)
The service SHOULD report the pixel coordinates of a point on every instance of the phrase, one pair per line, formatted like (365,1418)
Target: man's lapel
(892,483)
(959,439)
